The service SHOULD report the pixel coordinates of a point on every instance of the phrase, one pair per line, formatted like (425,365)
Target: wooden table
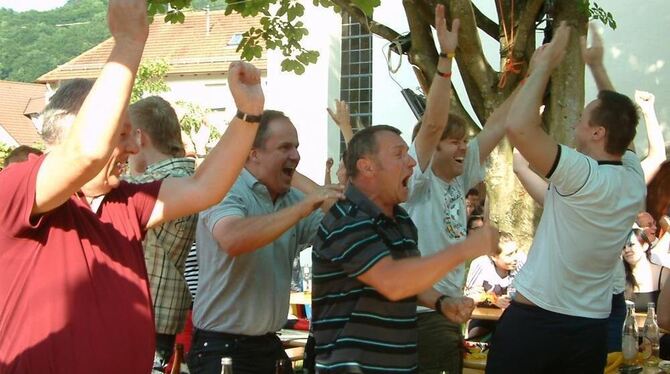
(487,313)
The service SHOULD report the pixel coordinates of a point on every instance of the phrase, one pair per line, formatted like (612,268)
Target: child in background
(489,280)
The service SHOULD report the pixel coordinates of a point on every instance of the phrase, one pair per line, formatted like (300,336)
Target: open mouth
(288,171)
(405,181)
(459,159)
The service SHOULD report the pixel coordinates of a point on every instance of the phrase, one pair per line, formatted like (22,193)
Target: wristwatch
(248,117)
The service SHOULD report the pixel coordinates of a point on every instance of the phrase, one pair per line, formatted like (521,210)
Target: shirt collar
(366,205)
(171,163)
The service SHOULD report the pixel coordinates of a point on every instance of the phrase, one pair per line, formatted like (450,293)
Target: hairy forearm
(251,233)
(525,109)
(391,278)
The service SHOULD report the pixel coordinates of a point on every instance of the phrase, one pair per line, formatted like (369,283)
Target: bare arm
(307,186)
(238,235)
(523,122)
(593,57)
(97,127)
(534,184)
(219,170)
(656,153)
(389,277)
(437,104)
(342,119)
(494,128)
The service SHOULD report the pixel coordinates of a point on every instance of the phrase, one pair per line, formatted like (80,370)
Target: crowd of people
(95,232)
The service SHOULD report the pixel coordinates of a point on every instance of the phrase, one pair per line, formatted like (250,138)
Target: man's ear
(365,166)
(598,133)
(253,155)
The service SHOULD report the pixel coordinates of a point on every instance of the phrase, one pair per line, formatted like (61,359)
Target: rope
(511,65)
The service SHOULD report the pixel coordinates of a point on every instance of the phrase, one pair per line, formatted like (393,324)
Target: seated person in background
(647,224)
(648,276)
(489,278)
(472,201)
(475,221)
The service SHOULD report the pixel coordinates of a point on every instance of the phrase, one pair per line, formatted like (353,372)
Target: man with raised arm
(368,272)
(73,283)
(246,247)
(557,322)
(447,167)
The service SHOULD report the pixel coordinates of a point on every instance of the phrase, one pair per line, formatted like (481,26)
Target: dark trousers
(440,344)
(164,349)
(532,340)
(250,354)
(615,323)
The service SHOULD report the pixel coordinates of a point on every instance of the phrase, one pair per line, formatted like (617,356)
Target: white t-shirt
(588,212)
(483,274)
(438,210)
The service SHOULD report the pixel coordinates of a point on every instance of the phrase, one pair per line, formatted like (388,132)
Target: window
(356,74)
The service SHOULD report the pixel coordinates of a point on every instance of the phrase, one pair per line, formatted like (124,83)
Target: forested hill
(33,43)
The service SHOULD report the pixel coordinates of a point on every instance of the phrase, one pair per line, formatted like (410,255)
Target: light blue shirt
(248,294)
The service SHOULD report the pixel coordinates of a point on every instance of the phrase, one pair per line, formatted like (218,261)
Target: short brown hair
(618,115)
(456,128)
(157,118)
(362,144)
(263,127)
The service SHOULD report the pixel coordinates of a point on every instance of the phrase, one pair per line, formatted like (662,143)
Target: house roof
(17,101)
(189,48)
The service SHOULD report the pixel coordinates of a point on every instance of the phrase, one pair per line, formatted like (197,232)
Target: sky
(23,5)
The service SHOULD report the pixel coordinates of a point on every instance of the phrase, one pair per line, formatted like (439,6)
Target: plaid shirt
(165,250)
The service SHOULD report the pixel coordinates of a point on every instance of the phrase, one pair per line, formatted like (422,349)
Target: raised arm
(342,119)
(593,58)
(656,152)
(534,184)
(96,129)
(239,235)
(523,121)
(494,128)
(219,170)
(437,104)
(389,277)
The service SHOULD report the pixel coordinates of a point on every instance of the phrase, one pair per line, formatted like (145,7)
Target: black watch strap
(438,304)
(247,117)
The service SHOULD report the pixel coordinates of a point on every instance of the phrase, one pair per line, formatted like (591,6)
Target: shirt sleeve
(17,195)
(571,171)
(143,197)
(419,179)
(234,204)
(354,246)
(473,170)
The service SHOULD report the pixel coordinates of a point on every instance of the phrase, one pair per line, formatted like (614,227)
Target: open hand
(244,80)
(550,55)
(458,309)
(483,241)
(317,197)
(127,20)
(341,116)
(448,39)
(593,55)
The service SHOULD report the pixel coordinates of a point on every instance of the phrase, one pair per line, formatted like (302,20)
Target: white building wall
(304,98)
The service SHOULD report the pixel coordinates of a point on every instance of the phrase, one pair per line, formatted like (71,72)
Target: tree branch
(423,53)
(486,24)
(526,29)
(479,78)
(367,22)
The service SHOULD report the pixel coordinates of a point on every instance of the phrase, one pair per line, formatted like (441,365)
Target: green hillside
(33,43)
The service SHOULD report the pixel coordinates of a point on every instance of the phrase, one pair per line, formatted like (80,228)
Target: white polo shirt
(588,212)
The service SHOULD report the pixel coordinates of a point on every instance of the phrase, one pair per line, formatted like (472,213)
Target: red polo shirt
(74,296)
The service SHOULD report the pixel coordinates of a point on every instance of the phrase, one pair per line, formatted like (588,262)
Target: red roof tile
(189,48)
(14,100)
